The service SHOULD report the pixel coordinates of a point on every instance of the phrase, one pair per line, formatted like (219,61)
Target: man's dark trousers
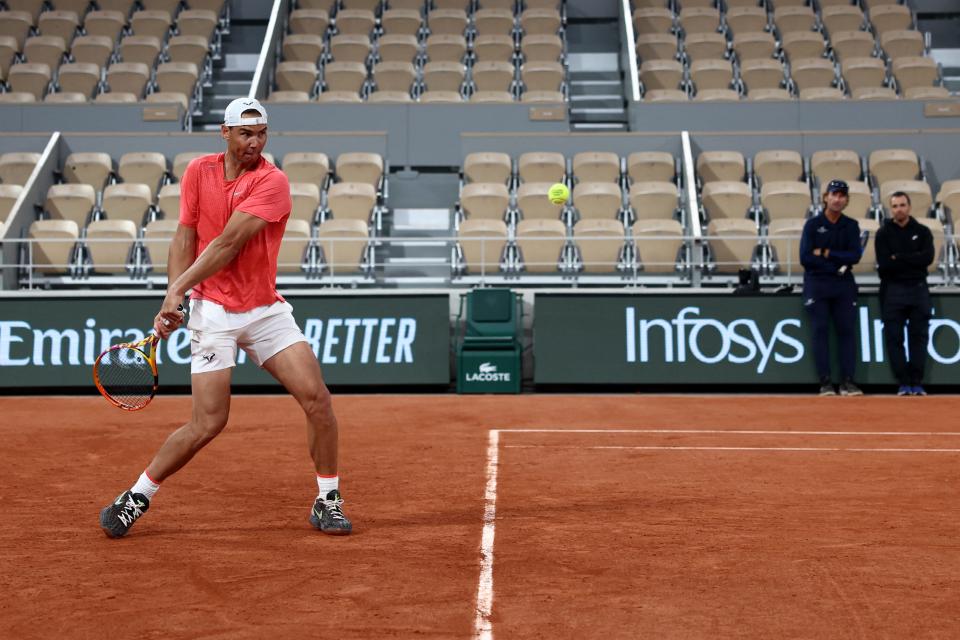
(906,303)
(836,298)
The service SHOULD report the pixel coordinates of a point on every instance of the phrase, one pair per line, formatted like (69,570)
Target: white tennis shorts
(215,334)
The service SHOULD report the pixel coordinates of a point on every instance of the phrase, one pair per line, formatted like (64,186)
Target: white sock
(326,484)
(146,486)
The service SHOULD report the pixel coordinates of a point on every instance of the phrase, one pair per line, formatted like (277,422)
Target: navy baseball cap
(838,185)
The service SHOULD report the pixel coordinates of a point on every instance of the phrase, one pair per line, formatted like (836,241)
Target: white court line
(482,627)
(666,448)
(742,431)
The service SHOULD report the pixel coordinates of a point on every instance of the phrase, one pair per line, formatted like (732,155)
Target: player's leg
(277,344)
(918,334)
(818,309)
(845,320)
(211,408)
(893,312)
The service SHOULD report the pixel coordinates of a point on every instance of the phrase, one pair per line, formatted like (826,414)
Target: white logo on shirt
(822,230)
(914,237)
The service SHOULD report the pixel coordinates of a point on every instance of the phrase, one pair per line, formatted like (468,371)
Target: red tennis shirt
(207,200)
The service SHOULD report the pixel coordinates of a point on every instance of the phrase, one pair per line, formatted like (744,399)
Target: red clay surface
(613,542)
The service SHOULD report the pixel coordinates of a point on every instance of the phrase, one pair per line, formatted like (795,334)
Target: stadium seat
(852,44)
(17,97)
(63,24)
(762,74)
(29,77)
(452,21)
(785,199)
(813,73)
(128,77)
(874,93)
(70,202)
(939,239)
(733,244)
(661,74)
(715,166)
(754,45)
(303,47)
(351,201)
(79,77)
(482,243)
(107,24)
(168,201)
(16,166)
(699,20)
(88,167)
(746,19)
(726,199)
(181,160)
(949,198)
(440,97)
(310,167)
(197,22)
(446,47)
(167,6)
(92,49)
(9,194)
(494,21)
(646,166)
(927,93)
(350,47)
(597,200)
(657,46)
(485,201)
(778,165)
(492,97)
(711,73)
(65,97)
(394,76)
(493,76)
(17,25)
(143,167)
(893,164)
(658,242)
(405,22)
(868,261)
(842,17)
(541,243)
(156,240)
(151,23)
(311,21)
(795,18)
(535,48)
(542,76)
(48,50)
(354,21)
(534,204)
(145,49)
(501,47)
(542,97)
(802,45)
(305,199)
(596,166)
(8,52)
(861,73)
(915,71)
(365,168)
(53,245)
(654,200)
(491,167)
(344,77)
(783,236)
(652,20)
(444,76)
(769,95)
(717,95)
(705,46)
(541,166)
(600,244)
(110,245)
(127,201)
(839,164)
(397,48)
(30,7)
(902,43)
(293,254)
(177,77)
(892,17)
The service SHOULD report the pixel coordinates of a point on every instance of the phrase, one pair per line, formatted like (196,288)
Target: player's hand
(169,318)
(816,252)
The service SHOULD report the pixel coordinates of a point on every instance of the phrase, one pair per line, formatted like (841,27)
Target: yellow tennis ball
(558,193)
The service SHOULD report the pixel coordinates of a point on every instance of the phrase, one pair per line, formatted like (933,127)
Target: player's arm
(218,254)
(810,256)
(922,258)
(851,251)
(183,250)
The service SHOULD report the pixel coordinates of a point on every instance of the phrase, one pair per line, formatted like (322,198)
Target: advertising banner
(713,339)
(358,340)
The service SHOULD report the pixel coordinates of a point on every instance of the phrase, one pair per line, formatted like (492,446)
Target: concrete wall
(48,118)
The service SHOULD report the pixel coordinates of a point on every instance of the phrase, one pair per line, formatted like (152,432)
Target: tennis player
(233,210)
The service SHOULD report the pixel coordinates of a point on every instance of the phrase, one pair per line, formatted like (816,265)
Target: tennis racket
(126,374)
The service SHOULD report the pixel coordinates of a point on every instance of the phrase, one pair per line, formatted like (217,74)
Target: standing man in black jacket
(904,251)
(829,247)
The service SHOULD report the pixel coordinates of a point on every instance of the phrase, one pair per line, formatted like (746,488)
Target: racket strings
(127,377)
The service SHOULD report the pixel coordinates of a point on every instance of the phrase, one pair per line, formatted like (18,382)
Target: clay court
(537,516)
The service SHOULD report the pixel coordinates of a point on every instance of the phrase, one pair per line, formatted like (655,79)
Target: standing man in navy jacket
(829,247)
(904,252)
